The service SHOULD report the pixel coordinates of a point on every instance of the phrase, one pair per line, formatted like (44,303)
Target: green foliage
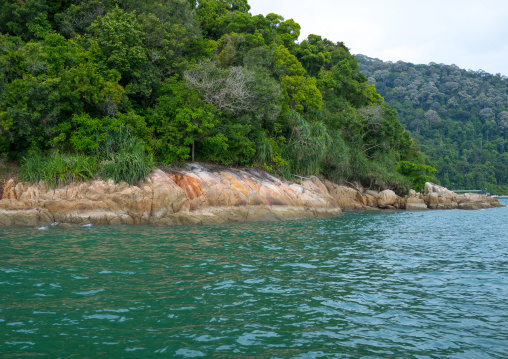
(265,148)
(130,164)
(213,17)
(47,82)
(26,19)
(307,145)
(240,148)
(417,174)
(289,32)
(180,119)
(119,156)
(57,169)
(313,54)
(31,169)
(123,157)
(126,82)
(458,116)
(301,91)
(89,132)
(120,38)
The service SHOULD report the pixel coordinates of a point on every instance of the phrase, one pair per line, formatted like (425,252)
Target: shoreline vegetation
(114,89)
(209,194)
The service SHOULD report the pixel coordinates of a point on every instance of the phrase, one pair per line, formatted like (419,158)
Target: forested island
(459,118)
(113,88)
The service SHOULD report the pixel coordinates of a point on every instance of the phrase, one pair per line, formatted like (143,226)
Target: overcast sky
(470,34)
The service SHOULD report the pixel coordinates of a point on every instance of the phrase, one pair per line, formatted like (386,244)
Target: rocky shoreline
(202,194)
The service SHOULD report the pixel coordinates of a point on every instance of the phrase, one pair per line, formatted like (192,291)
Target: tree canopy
(458,116)
(196,80)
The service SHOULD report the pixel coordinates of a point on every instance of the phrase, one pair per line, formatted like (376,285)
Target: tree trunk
(192,151)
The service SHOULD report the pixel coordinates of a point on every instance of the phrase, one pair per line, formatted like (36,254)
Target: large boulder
(473,201)
(414,201)
(345,197)
(387,198)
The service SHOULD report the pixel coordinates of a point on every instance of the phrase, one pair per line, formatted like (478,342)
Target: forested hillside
(459,117)
(111,88)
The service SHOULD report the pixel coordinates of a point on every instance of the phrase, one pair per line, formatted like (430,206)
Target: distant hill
(460,118)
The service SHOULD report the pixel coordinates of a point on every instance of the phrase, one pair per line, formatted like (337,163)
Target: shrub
(128,165)
(124,157)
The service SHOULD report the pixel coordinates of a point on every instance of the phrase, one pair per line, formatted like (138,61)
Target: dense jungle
(459,117)
(113,88)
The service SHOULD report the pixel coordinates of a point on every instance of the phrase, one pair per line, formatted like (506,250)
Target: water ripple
(374,285)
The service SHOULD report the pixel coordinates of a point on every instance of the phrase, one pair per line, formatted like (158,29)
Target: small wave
(38,312)
(90,292)
(115,310)
(102,316)
(9,270)
(183,308)
(189,353)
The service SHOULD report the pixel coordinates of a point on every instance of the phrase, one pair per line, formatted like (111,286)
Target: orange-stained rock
(189,184)
(200,194)
(195,194)
(8,190)
(135,202)
(168,197)
(14,204)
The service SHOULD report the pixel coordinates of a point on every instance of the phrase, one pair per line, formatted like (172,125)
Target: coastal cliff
(202,194)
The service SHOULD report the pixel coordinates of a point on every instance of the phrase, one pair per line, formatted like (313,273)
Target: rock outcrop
(435,197)
(438,197)
(196,195)
(209,195)
(415,201)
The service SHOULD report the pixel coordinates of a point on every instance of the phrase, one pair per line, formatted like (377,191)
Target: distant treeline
(459,117)
(113,87)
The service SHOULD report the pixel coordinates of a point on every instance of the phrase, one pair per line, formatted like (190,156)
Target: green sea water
(430,284)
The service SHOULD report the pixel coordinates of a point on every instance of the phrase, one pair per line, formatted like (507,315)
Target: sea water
(399,284)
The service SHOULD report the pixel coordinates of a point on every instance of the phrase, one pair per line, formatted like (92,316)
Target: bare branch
(226,89)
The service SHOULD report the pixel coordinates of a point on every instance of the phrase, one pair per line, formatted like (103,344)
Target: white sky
(471,34)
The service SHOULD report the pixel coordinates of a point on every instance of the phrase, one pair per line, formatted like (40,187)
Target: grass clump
(57,169)
(124,158)
(120,157)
